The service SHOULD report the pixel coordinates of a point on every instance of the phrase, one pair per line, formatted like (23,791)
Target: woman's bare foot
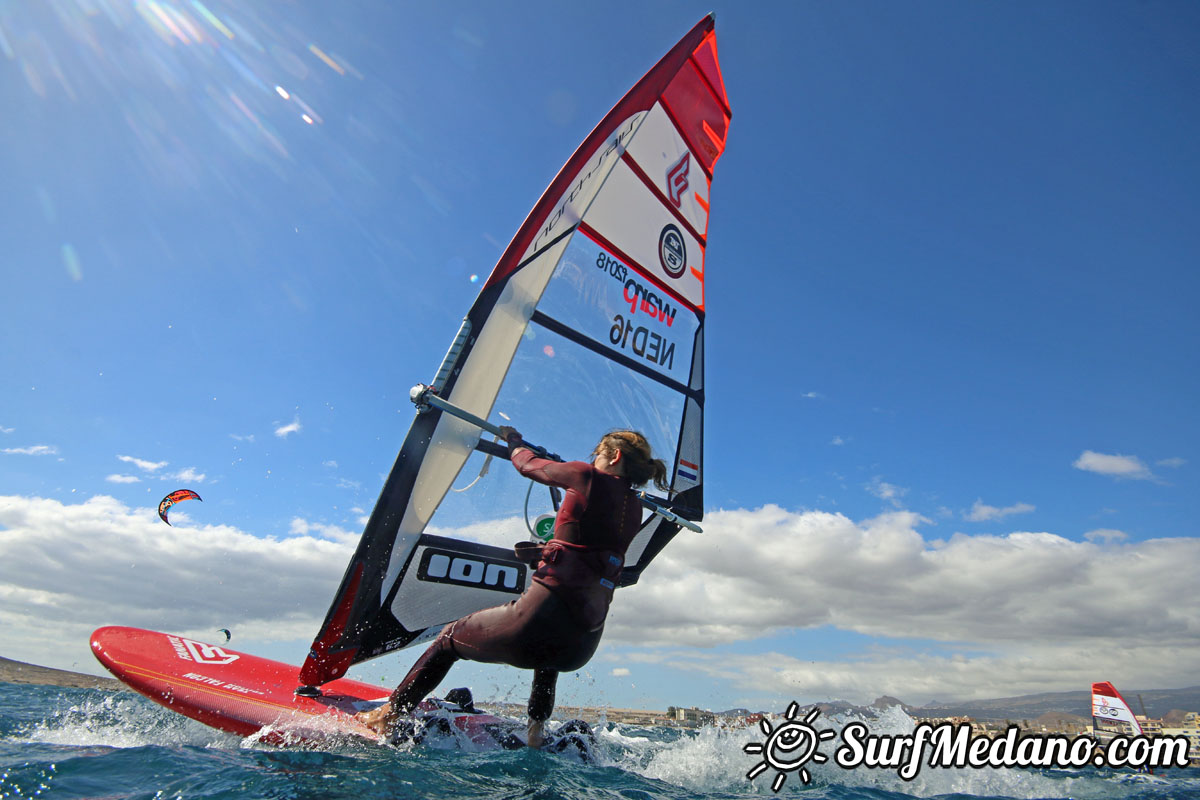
(533,734)
(377,719)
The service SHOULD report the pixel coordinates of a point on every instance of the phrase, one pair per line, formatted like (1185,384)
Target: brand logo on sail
(444,566)
(639,297)
(677,179)
(672,252)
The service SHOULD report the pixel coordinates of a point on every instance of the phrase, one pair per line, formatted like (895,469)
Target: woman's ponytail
(640,464)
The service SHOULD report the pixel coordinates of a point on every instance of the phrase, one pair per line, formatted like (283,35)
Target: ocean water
(79,743)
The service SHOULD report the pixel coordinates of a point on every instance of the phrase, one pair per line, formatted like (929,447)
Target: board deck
(232,691)
(252,696)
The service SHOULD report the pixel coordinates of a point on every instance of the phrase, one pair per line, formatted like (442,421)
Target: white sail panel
(480,379)
(454,440)
(632,222)
(663,156)
(581,190)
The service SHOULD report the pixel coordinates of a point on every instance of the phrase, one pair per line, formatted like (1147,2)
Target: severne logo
(672,252)
(677,179)
(203,653)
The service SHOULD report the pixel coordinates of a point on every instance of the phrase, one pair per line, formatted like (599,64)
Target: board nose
(104,643)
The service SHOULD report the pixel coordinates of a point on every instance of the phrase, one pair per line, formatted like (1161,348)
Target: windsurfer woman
(556,624)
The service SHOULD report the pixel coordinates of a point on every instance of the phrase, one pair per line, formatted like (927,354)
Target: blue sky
(951,326)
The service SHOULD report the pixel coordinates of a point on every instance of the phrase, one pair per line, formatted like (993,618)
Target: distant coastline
(20,672)
(1159,702)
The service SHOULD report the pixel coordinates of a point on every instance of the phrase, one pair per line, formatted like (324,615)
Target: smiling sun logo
(789,747)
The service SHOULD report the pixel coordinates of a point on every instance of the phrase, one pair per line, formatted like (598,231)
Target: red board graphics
(244,694)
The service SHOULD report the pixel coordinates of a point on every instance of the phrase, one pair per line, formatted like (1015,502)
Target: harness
(583,577)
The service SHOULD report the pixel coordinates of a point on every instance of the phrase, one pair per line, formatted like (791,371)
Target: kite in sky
(174,497)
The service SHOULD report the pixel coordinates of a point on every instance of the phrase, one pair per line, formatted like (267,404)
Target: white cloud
(620,672)
(981,512)
(35,450)
(886,491)
(302,527)
(919,678)
(1116,466)
(284,430)
(115,478)
(811,395)
(968,616)
(837,441)
(1106,535)
(66,569)
(994,603)
(331,464)
(497,532)
(247,438)
(142,464)
(188,475)
(6,430)
(1172,463)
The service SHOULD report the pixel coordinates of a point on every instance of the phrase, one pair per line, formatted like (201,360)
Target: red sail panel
(699,114)
(706,59)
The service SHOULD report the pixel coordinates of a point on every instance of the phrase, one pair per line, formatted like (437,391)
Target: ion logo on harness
(443,566)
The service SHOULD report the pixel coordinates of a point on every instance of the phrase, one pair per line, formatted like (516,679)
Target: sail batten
(567,332)
(592,319)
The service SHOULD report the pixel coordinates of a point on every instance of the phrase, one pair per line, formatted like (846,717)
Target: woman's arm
(565,475)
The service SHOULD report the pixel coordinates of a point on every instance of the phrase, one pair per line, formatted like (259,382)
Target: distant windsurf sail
(593,319)
(1111,715)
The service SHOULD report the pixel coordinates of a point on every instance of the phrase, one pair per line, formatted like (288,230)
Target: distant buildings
(690,717)
(1189,726)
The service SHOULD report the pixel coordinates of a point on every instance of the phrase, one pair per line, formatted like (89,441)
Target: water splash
(711,761)
(68,743)
(119,720)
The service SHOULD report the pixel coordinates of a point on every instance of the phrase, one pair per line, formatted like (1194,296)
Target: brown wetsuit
(556,624)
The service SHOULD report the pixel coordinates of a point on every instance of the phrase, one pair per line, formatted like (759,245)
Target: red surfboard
(244,694)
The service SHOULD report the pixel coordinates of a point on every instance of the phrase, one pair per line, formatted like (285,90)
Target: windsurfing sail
(593,319)
(1111,715)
